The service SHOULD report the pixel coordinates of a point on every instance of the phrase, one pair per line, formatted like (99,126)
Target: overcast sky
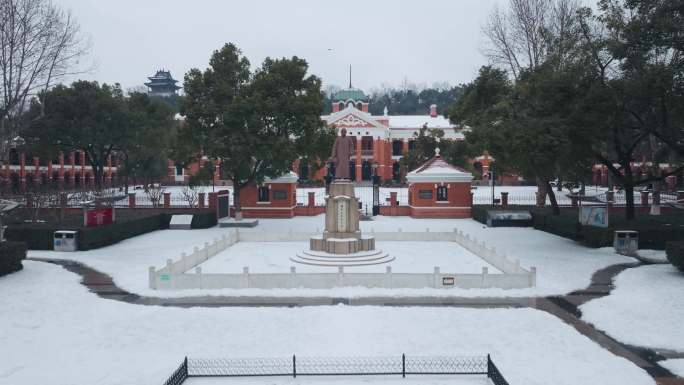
(385,41)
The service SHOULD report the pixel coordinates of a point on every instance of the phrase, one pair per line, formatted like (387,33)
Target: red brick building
(380,140)
(439,190)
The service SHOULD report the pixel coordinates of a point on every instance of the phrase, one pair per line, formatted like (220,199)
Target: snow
(676,366)
(53,330)
(644,309)
(410,257)
(562,265)
(346,380)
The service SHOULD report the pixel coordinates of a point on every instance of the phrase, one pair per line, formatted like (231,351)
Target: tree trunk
(629,200)
(552,198)
(236,199)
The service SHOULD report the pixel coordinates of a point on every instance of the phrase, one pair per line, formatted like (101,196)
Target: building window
(179,170)
(279,195)
(411,145)
(442,193)
(397,147)
(425,194)
(263,194)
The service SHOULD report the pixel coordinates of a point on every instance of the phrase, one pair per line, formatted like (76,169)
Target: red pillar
(358,160)
(213,200)
(504,200)
(312,199)
(393,199)
(167,200)
(644,198)
(131,200)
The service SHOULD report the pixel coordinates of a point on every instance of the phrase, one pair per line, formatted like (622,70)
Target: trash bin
(626,242)
(65,240)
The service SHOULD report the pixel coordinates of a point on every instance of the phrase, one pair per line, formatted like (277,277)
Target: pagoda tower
(162,84)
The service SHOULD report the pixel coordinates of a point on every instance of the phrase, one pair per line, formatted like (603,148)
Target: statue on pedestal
(341,153)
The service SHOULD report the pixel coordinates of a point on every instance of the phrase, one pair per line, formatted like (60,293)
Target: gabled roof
(438,170)
(417,121)
(352,117)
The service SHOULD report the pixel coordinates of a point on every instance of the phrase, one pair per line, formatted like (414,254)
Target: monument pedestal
(342,243)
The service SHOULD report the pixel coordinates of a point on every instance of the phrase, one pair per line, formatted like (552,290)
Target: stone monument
(342,244)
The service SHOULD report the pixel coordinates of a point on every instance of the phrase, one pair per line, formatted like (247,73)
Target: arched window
(359,106)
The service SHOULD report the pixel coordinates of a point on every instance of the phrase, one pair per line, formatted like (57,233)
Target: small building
(275,198)
(162,84)
(439,190)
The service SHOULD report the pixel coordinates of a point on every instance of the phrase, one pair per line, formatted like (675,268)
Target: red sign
(98,217)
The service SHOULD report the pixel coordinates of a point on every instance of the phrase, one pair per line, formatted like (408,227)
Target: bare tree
(529,32)
(39,45)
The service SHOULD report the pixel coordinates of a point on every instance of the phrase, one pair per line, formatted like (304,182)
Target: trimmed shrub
(480,213)
(203,220)
(11,255)
(675,254)
(35,238)
(95,237)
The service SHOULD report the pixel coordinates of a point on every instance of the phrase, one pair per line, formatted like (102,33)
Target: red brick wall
(458,205)
(275,208)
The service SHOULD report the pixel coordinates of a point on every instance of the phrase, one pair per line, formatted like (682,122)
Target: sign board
(98,217)
(593,216)
(341,215)
(164,277)
(279,195)
(448,281)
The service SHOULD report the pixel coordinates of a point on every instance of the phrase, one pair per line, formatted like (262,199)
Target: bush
(203,220)
(675,254)
(11,255)
(95,237)
(35,238)
(480,213)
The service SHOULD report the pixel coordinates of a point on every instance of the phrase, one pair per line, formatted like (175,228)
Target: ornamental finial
(436,151)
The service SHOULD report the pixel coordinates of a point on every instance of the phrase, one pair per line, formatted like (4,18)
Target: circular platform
(363,258)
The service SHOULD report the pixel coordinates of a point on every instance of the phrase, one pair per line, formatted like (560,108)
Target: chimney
(433,110)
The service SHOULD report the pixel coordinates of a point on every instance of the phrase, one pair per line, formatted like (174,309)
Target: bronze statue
(341,153)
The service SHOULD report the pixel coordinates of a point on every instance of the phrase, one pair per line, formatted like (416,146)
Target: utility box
(626,242)
(65,240)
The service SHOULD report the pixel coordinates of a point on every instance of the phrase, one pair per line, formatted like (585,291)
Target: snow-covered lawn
(645,309)
(410,257)
(53,330)
(562,265)
(676,366)
(344,380)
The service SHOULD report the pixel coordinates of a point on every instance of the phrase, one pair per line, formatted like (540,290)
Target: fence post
(185,366)
(489,366)
(294,366)
(200,200)
(504,199)
(403,365)
(312,199)
(131,200)
(167,200)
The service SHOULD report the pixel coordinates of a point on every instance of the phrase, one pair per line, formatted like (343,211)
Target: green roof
(350,93)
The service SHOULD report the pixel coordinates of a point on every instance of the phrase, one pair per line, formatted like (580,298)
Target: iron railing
(337,366)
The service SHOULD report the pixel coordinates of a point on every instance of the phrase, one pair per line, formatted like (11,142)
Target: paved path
(564,307)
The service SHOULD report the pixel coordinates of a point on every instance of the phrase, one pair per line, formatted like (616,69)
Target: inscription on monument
(342,216)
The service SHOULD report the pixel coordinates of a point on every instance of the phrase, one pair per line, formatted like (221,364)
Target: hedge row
(41,238)
(675,254)
(652,234)
(11,255)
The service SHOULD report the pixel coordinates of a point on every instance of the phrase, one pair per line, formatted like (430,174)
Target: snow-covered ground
(676,366)
(54,331)
(562,265)
(645,309)
(410,257)
(344,380)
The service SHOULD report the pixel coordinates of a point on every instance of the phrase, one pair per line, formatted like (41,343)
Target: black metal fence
(337,366)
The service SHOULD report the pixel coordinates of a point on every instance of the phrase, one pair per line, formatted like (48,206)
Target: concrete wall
(176,275)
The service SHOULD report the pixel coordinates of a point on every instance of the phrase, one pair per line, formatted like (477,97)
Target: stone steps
(366,258)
